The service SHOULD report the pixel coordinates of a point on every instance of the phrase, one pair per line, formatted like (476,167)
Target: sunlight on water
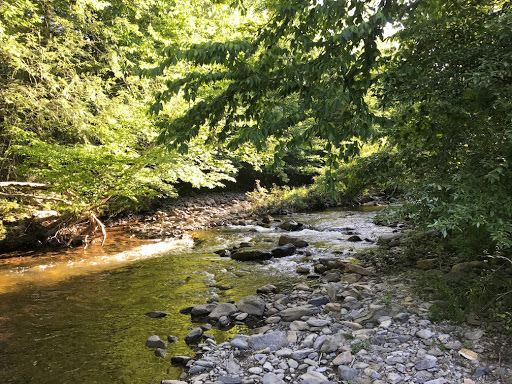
(60,266)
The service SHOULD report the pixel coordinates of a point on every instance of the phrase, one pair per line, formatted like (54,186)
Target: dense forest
(114,104)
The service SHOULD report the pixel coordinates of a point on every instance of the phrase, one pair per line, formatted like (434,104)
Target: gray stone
(172,339)
(155,342)
(224,322)
(313,377)
(437,381)
(159,352)
(196,369)
(202,309)
(428,363)
(332,343)
(240,343)
(302,353)
(347,373)
(474,335)
(272,340)
(291,225)
(266,289)
(180,360)
(252,305)
(226,309)
(194,336)
(299,243)
(298,325)
(173,382)
(343,358)
(296,313)
(318,301)
(271,378)
(285,250)
(425,334)
(156,314)
(394,377)
(230,380)
(318,322)
(354,268)
(252,255)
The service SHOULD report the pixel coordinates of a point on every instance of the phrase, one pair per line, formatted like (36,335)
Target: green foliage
(73,110)
(448,91)
(305,75)
(285,199)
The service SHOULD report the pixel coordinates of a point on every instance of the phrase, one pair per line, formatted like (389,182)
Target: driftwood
(22,184)
(34,197)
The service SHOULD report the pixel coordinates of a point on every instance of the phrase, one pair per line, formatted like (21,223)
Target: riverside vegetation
(110,108)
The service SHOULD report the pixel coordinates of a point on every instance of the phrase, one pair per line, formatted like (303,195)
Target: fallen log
(23,184)
(35,197)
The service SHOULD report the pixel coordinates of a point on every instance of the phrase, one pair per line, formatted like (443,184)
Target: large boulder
(299,243)
(253,305)
(285,250)
(226,309)
(252,255)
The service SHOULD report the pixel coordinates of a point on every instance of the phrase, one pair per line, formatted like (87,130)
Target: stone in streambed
(202,309)
(253,305)
(173,382)
(180,360)
(272,340)
(194,336)
(272,378)
(299,243)
(159,352)
(172,339)
(226,309)
(155,342)
(291,225)
(285,250)
(291,314)
(156,314)
(319,301)
(252,255)
(239,343)
(266,289)
(354,268)
(346,373)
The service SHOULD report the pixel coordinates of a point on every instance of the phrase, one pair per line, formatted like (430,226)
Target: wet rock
(155,342)
(180,360)
(480,372)
(202,309)
(354,238)
(391,240)
(303,270)
(291,225)
(272,340)
(186,310)
(299,243)
(296,313)
(226,309)
(285,250)
(266,289)
(194,336)
(156,314)
(173,382)
(252,255)
(252,305)
(223,322)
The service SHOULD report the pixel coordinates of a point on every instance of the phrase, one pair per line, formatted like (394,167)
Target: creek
(78,316)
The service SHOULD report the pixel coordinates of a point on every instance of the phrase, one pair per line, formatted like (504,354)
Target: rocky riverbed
(357,327)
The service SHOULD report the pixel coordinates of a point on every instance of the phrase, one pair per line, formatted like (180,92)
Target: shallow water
(79,316)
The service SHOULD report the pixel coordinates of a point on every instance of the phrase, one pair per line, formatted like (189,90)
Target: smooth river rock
(272,340)
(291,314)
(226,309)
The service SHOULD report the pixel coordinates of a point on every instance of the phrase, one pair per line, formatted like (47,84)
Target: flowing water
(78,316)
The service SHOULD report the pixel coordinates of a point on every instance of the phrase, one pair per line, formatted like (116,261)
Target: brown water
(79,316)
